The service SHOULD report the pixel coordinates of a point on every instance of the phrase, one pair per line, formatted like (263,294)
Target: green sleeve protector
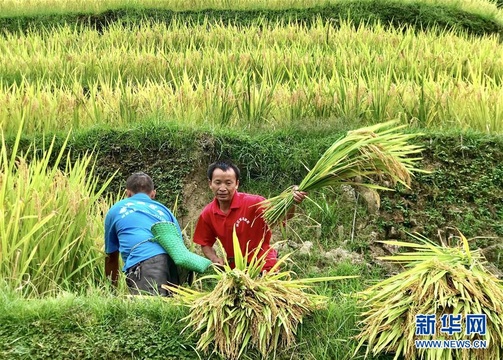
(167,235)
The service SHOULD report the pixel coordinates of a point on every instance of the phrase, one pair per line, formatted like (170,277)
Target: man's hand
(211,254)
(216,260)
(298,196)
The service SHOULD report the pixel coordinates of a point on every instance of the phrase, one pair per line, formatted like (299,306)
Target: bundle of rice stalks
(249,309)
(376,150)
(448,284)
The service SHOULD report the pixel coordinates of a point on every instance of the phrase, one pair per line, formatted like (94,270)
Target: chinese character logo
(451,324)
(425,324)
(476,324)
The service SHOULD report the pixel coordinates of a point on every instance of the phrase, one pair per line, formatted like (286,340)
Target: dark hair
(223,165)
(140,183)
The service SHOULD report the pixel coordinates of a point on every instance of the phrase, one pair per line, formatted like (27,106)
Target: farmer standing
(232,209)
(127,230)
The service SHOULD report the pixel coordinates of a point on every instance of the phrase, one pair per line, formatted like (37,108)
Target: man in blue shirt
(127,230)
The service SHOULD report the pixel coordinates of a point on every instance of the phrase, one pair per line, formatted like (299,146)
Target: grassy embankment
(321,78)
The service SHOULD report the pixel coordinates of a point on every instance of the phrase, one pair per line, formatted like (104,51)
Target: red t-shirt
(246,216)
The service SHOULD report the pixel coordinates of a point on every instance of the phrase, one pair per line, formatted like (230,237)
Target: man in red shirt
(231,209)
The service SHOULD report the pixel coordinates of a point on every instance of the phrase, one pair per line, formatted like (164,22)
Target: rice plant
(48,215)
(439,280)
(376,150)
(249,310)
(216,75)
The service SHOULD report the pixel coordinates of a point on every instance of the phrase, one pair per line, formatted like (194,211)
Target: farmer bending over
(127,229)
(231,209)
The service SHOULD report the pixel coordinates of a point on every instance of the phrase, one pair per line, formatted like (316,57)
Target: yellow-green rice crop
(377,150)
(438,280)
(49,239)
(267,75)
(249,309)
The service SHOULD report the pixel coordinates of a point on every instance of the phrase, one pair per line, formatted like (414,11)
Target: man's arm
(203,234)
(112,267)
(211,254)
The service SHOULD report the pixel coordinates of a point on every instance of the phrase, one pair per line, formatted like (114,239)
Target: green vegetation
(38,7)
(95,326)
(167,88)
(476,17)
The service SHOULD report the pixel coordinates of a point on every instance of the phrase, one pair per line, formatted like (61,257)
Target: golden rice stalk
(439,280)
(249,309)
(376,150)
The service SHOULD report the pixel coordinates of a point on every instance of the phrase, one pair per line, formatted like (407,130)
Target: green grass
(43,7)
(93,326)
(98,325)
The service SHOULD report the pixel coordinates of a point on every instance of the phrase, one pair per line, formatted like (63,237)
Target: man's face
(224,184)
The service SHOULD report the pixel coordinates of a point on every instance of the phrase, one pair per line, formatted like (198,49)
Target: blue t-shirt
(128,223)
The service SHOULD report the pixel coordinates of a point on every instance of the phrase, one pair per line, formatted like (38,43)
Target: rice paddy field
(91,91)
(267,74)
